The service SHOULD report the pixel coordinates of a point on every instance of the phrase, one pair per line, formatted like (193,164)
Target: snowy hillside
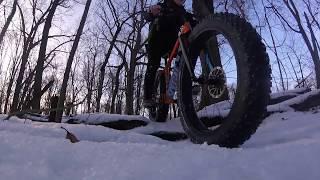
(286,146)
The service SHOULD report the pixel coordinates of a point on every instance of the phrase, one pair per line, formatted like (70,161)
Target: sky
(292,38)
(69,24)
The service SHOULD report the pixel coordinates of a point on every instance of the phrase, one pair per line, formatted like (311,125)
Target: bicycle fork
(180,53)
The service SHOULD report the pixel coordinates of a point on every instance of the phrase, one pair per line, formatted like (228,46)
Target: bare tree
(119,103)
(117,76)
(14,61)
(139,79)
(301,80)
(135,54)
(28,45)
(42,54)
(69,62)
(114,27)
(240,7)
(8,21)
(306,30)
(89,71)
(275,50)
(76,87)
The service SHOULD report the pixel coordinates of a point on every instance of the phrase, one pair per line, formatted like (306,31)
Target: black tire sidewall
(241,121)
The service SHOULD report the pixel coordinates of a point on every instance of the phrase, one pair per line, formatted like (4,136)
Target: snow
(285,106)
(96,118)
(286,146)
(220,109)
(288,93)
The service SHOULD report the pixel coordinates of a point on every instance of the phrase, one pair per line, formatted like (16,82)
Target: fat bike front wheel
(246,81)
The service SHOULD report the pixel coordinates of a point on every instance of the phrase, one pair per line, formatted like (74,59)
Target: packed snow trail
(286,146)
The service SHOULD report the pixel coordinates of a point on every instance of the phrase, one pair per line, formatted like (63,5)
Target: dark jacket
(171,17)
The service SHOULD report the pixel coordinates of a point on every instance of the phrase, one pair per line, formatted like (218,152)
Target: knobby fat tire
(253,84)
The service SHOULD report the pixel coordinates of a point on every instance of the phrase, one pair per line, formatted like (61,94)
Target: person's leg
(158,45)
(154,58)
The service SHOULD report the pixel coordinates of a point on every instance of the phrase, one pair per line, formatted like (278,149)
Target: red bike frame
(185,29)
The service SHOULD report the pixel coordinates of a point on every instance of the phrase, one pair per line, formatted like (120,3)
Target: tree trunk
(315,52)
(90,81)
(275,50)
(311,44)
(131,76)
(138,94)
(9,88)
(17,91)
(103,69)
(119,104)
(118,24)
(116,89)
(9,19)
(130,88)
(63,89)
(1,99)
(53,105)
(137,26)
(42,57)
(24,102)
(100,82)
(28,45)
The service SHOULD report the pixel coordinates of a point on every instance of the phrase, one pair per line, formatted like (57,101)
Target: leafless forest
(89,55)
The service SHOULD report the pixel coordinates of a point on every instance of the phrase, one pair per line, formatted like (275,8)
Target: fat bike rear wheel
(246,82)
(159,112)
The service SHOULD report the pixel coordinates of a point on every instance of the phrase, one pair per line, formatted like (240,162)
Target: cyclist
(166,20)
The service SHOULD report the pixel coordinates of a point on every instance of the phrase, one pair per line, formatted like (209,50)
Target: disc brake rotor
(217,89)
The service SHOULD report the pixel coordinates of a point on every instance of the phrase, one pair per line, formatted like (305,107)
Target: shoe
(148,103)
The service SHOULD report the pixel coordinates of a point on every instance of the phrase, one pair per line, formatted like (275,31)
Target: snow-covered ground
(285,147)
